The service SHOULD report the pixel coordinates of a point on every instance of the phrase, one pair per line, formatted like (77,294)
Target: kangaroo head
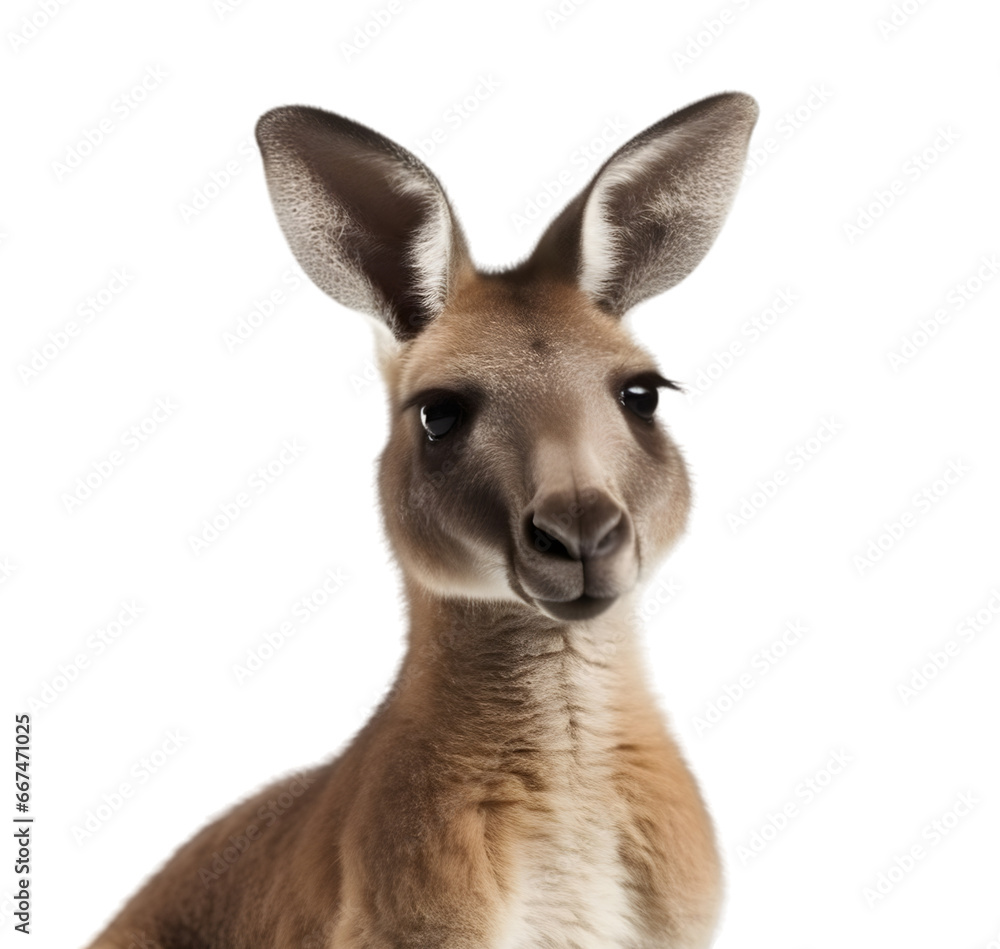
(525,460)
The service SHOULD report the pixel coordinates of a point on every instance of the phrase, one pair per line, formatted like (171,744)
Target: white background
(915,103)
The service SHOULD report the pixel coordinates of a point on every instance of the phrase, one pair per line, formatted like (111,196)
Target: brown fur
(518,753)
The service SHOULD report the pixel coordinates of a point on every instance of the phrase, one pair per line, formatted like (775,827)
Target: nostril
(545,543)
(610,540)
(575,526)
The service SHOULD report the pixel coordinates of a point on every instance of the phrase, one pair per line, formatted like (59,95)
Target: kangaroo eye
(439,418)
(640,399)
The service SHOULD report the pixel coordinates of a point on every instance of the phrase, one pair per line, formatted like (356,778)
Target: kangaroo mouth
(577,591)
(578,584)
(582,608)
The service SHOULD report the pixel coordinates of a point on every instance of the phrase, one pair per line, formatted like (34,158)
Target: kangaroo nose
(577,526)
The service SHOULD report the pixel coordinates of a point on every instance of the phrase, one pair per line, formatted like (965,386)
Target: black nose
(576,526)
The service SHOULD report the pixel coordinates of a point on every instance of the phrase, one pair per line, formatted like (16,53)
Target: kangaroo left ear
(366,219)
(655,207)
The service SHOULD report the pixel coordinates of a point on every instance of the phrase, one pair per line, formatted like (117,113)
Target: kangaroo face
(525,459)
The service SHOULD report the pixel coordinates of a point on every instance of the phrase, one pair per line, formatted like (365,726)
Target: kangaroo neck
(493,675)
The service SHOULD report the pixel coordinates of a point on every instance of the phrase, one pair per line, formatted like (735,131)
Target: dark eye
(439,418)
(640,399)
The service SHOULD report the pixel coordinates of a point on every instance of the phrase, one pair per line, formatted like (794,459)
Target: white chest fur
(571,888)
(571,891)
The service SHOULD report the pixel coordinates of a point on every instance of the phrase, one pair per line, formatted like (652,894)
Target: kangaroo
(517,788)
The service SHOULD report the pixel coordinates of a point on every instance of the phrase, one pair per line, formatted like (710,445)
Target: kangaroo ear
(654,208)
(366,219)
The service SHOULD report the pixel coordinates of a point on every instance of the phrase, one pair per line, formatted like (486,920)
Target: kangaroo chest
(570,886)
(570,889)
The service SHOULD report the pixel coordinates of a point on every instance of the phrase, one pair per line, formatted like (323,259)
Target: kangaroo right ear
(365,218)
(654,208)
